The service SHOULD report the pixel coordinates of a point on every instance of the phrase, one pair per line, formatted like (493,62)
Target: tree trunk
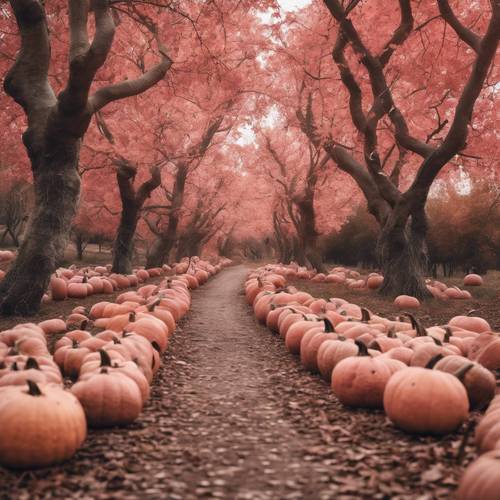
(57,187)
(79,246)
(160,251)
(314,258)
(123,247)
(402,254)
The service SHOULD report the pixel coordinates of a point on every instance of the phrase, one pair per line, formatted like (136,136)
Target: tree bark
(123,248)
(57,187)
(56,126)
(132,203)
(402,255)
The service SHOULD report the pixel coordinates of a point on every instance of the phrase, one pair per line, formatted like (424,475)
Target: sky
(289,5)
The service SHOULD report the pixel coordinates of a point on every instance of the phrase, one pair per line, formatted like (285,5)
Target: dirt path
(234,416)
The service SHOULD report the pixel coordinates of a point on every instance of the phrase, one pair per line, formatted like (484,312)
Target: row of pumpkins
(353,280)
(426,379)
(83,282)
(111,371)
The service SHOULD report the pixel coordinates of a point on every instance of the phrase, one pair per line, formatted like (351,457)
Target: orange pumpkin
(423,401)
(360,381)
(41,426)
(481,479)
(478,381)
(331,352)
(108,398)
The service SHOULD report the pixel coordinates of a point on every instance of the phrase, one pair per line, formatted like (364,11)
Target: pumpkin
(297,331)
(423,401)
(75,335)
(473,280)
(20,372)
(374,281)
(52,326)
(58,288)
(481,479)
(406,302)
(77,290)
(41,425)
(31,346)
(423,353)
(360,381)
(332,352)
(478,381)
(470,323)
(488,431)
(109,398)
(311,343)
(128,368)
(69,358)
(289,317)
(77,320)
(489,355)
(151,328)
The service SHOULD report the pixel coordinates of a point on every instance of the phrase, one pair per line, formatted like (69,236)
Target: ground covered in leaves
(233,415)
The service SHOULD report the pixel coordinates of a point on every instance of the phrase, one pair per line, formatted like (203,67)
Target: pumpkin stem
(31,363)
(472,311)
(273,306)
(363,350)
(448,333)
(413,320)
(74,344)
(365,315)
(341,337)
(84,324)
(131,317)
(33,389)
(392,333)
(433,361)
(417,326)
(14,366)
(105,359)
(152,305)
(329,328)
(104,370)
(461,372)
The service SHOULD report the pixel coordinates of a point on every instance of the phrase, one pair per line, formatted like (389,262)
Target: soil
(233,415)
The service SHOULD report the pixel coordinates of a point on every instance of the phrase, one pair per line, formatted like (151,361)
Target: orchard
(250,250)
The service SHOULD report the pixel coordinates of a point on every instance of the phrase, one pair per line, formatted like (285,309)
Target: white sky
(288,5)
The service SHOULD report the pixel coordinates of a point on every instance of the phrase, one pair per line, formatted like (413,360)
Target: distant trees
(464,232)
(464,229)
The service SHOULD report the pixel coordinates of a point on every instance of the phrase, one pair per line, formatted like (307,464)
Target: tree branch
(27,80)
(464,33)
(129,88)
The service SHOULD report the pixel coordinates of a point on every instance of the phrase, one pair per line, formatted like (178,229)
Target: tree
(56,126)
(298,188)
(168,216)
(401,214)
(132,201)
